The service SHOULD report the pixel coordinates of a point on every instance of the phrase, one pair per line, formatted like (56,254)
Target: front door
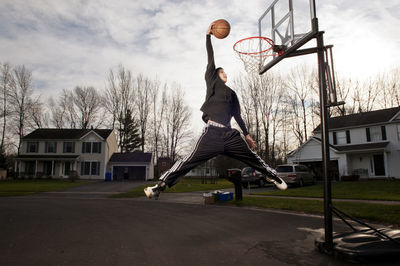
(47,168)
(379,164)
(67,168)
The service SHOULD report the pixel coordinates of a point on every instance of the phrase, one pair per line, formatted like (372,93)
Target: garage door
(129,173)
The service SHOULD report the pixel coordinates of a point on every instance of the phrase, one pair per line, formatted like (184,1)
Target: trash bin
(108,177)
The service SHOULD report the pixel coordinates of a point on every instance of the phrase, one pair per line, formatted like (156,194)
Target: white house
(92,153)
(56,152)
(364,144)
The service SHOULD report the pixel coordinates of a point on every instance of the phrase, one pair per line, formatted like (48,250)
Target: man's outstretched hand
(251,142)
(209,30)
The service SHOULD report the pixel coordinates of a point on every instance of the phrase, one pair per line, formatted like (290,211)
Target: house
(365,144)
(135,165)
(204,170)
(163,165)
(57,152)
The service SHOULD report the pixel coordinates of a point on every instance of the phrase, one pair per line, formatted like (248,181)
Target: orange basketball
(221,28)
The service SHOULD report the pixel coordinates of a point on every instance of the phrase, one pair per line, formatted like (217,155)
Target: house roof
(130,157)
(47,157)
(362,147)
(361,119)
(373,146)
(65,133)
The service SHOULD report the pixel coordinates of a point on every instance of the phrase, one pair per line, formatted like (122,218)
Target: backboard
(290,24)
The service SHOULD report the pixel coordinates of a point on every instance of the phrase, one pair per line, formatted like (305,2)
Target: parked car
(234,174)
(296,174)
(252,176)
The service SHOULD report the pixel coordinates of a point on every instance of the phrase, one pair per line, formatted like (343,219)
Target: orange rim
(269,41)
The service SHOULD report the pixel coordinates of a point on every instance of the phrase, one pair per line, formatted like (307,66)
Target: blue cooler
(226,196)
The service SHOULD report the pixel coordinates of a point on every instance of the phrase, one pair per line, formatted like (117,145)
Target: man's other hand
(251,142)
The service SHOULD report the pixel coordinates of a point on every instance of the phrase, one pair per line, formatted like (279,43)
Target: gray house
(135,165)
(364,144)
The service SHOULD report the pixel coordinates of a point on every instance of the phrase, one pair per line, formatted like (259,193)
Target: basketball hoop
(254,50)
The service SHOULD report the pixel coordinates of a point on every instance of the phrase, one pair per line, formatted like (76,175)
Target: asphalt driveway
(77,227)
(39,231)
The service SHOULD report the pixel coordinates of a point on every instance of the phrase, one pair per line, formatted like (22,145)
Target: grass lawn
(366,190)
(10,188)
(184,185)
(368,211)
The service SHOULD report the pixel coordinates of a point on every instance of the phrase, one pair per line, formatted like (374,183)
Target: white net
(253,51)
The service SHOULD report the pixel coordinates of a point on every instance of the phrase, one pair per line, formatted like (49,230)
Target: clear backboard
(289,24)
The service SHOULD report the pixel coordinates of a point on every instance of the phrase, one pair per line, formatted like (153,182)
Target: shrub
(349,177)
(73,176)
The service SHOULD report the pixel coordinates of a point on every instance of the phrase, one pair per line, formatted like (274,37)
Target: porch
(42,166)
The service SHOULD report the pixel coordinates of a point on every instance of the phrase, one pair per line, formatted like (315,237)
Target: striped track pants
(212,142)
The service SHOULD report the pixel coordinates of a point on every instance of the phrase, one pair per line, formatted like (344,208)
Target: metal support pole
(325,143)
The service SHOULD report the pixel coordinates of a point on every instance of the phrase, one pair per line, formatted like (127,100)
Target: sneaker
(279,183)
(154,191)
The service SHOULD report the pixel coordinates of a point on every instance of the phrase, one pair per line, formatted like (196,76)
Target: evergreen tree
(130,135)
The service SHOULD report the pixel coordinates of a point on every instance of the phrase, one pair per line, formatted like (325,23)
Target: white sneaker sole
(149,192)
(281,186)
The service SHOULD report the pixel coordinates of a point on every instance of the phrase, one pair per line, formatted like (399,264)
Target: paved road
(85,230)
(39,231)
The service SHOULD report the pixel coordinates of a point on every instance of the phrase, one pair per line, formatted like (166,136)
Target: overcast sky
(69,43)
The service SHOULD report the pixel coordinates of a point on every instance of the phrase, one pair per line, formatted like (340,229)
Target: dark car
(296,174)
(252,176)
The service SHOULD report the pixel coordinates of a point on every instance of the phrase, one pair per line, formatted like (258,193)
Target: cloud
(69,43)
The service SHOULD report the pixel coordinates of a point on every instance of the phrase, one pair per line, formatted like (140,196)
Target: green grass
(184,185)
(9,188)
(365,190)
(368,211)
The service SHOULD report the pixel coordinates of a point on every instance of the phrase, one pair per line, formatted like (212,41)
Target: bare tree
(20,99)
(299,83)
(87,102)
(38,117)
(118,98)
(5,83)
(176,126)
(158,108)
(143,104)
(241,86)
(388,88)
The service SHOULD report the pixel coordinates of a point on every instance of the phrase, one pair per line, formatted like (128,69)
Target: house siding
(362,161)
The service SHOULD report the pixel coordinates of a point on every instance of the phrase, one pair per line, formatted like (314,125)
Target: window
(51,147)
(398,132)
(86,147)
(69,147)
(95,168)
(32,147)
(341,137)
(90,168)
(85,168)
(301,168)
(96,147)
(91,147)
(376,133)
(284,169)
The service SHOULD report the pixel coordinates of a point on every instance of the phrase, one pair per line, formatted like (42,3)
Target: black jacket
(213,83)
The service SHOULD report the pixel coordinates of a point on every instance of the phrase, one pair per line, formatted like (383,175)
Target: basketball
(221,28)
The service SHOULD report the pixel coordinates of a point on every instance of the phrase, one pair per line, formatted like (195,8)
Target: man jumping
(221,104)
